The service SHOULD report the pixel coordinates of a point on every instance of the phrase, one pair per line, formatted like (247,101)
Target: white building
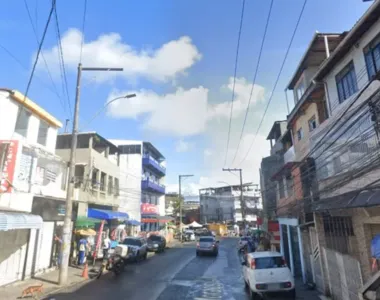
(142,178)
(224,204)
(32,187)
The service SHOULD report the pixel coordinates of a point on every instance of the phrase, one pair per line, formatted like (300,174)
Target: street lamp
(180,203)
(108,103)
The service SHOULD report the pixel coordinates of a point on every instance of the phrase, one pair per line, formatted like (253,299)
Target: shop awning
(133,222)
(15,220)
(102,214)
(86,222)
(353,199)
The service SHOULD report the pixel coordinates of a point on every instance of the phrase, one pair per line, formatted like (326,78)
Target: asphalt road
(176,274)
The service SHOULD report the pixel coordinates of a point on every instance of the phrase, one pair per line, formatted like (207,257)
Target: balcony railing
(154,165)
(289,155)
(152,186)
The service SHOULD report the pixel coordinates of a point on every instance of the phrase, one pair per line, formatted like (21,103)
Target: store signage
(149,209)
(8,155)
(61,209)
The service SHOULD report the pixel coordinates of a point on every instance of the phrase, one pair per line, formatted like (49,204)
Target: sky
(179,59)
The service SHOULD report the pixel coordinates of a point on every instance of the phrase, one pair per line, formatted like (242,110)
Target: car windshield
(269,262)
(206,240)
(154,238)
(132,242)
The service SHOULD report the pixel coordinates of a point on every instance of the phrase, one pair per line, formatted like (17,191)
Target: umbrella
(86,232)
(86,222)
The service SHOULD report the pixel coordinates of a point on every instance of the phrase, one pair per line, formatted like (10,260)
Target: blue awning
(15,220)
(134,222)
(103,214)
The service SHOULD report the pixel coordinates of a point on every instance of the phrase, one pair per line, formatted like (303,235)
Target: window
(22,122)
(372,57)
(270,262)
(312,124)
(130,149)
(116,187)
(281,188)
(300,90)
(42,133)
(300,134)
(346,82)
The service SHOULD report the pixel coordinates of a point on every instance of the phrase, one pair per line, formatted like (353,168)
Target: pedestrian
(83,245)
(58,249)
(106,246)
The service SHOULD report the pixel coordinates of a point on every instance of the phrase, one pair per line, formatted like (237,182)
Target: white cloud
(241,99)
(207,152)
(182,146)
(109,50)
(184,112)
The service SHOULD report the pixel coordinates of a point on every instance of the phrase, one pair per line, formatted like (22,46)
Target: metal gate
(315,259)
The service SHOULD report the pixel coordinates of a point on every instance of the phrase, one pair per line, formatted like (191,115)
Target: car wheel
(145,255)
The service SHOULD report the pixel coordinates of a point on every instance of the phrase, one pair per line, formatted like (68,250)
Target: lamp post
(108,103)
(180,202)
(66,236)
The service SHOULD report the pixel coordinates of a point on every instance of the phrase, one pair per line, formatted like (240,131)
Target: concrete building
(97,174)
(143,172)
(31,176)
(222,204)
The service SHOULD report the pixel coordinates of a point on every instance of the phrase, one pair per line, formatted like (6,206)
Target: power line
(234,80)
(42,55)
(254,79)
(61,60)
(277,80)
(83,27)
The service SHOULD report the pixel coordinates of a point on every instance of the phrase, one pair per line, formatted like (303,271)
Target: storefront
(149,217)
(52,212)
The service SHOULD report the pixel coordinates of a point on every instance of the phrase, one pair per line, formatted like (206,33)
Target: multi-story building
(270,165)
(143,172)
(32,187)
(223,204)
(97,172)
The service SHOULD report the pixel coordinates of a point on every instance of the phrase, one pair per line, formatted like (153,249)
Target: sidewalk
(304,293)
(49,281)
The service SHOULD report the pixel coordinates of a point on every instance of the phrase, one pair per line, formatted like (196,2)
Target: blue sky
(178,85)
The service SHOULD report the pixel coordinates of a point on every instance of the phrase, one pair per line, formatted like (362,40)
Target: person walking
(82,247)
(106,246)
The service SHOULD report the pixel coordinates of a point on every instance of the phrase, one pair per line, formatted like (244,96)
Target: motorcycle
(116,264)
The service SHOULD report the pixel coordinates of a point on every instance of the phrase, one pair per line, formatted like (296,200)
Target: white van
(266,272)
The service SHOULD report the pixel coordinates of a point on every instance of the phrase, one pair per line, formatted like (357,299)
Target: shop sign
(8,155)
(61,209)
(149,209)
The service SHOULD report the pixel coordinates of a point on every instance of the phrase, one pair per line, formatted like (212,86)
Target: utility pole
(180,202)
(242,203)
(66,236)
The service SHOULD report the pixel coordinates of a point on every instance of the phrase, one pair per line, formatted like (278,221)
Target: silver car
(207,245)
(137,247)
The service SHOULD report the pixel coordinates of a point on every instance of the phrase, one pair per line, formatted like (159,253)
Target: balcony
(150,163)
(289,155)
(151,186)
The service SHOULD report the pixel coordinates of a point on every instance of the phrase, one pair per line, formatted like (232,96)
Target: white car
(266,272)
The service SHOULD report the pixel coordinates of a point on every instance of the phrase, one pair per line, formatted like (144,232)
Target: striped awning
(15,220)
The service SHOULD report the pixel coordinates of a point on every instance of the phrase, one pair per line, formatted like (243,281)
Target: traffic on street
(177,273)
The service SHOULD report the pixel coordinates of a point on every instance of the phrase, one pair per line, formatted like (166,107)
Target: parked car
(189,235)
(138,248)
(156,243)
(266,272)
(207,245)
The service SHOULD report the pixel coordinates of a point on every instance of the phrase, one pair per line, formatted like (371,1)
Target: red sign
(9,150)
(99,240)
(149,209)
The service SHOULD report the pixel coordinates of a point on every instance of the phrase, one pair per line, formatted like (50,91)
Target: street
(175,274)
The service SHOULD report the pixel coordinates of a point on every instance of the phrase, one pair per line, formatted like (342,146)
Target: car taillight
(253,264)
(261,286)
(287,285)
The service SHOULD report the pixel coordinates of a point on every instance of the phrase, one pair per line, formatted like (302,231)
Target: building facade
(144,169)
(223,204)
(31,175)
